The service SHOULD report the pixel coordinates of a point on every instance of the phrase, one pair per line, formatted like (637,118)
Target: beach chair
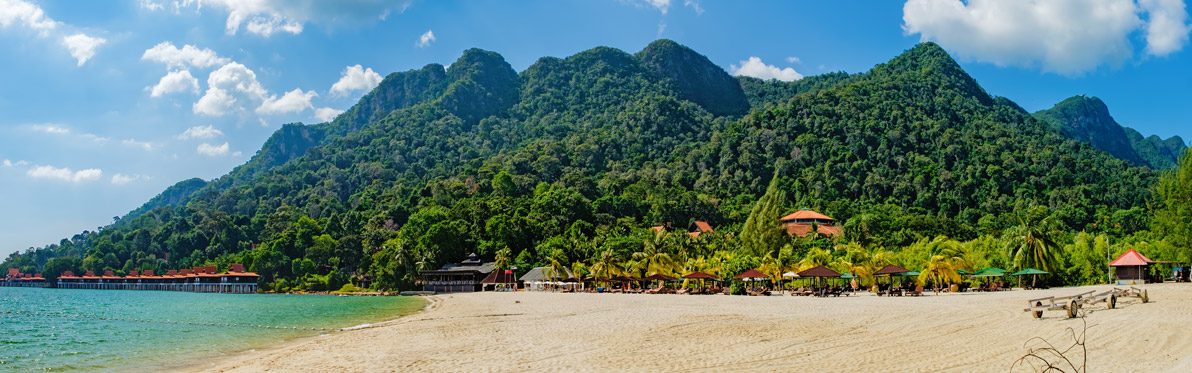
(917,292)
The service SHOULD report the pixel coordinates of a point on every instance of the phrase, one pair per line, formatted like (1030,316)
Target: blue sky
(105,104)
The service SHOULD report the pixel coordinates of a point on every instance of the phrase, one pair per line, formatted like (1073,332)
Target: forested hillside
(568,162)
(1087,119)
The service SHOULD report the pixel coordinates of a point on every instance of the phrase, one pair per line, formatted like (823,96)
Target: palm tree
(1031,243)
(502,260)
(556,264)
(605,264)
(653,259)
(943,265)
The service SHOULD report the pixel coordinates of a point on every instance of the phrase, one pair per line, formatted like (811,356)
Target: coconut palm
(556,263)
(815,257)
(503,258)
(1030,242)
(943,265)
(653,259)
(605,264)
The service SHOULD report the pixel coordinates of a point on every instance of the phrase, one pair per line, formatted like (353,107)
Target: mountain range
(577,156)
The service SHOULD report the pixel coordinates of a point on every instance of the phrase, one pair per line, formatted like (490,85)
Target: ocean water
(108,330)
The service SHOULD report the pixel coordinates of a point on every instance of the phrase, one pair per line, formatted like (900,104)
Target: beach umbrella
(1029,271)
(890,271)
(819,272)
(753,273)
(700,276)
(989,272)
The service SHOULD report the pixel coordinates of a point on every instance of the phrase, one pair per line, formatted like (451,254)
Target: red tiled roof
(13,271)
(890,270)
(806,214)
(802,230)
(1130,258)
(657,229)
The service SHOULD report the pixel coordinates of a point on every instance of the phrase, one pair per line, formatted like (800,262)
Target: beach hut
(500,280)
(889,271)
(1131,266)
(543,278)
(701,277)
(819,272)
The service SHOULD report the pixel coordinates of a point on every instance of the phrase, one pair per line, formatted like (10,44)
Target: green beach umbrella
(909,273)
(989,272)
(1029,271)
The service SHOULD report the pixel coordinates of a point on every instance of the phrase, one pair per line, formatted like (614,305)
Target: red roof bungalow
(1131,265)
(698,227)
(800,224)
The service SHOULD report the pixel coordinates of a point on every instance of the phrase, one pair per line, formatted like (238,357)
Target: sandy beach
(981,332)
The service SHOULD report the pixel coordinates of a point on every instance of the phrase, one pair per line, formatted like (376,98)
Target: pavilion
(1131,266)
(802,222)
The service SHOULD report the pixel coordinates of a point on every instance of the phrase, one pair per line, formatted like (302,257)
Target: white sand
(982,332)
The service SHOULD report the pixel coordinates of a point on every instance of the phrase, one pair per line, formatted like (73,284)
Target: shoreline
(534,331)
(271,347)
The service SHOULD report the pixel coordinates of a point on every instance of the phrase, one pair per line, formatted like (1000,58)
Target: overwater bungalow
(15,278)
(198,279)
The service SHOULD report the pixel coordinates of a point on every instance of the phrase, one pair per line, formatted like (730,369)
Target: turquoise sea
(67,329)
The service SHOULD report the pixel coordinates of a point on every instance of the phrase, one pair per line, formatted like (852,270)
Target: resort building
(15,278)
(543,278)
(802,222)
(198,279)
(456,278)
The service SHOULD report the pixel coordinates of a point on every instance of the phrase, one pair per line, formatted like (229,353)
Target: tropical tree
(1031,242)
(503,258)
(942,267)
(761,233)
(1173,213)
(605,264)
(653,259)
(556,264)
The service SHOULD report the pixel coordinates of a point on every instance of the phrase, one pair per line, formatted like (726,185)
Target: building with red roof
(1131,266)
(697,227)
(801,223)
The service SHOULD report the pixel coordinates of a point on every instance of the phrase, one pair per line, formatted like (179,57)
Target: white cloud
(327,114)
(756,68)
(200,132)
(1167,31)
(95,138)
(151,5)
(189,55)
(82,47)
(355,78)
(793,59)
(694,4)
(1068,37)
(662,5)
(65,174)
(141,144)
(291,102)
(50,128)
(121,179)
(25,14)
(425,39)
(213,150)
(266,17)
(230,84)
(7,163)
(175,82)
